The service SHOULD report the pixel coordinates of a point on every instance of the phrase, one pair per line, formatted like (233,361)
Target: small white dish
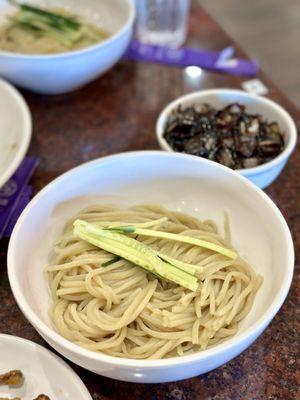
(44,372)
(193,185)
(15,130)
(64,72)
(262,175)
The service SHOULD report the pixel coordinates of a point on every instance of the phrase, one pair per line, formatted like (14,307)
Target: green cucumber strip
(112,261)
(113,225)
(135,252)
(189,268)
(50,16)
(186,239)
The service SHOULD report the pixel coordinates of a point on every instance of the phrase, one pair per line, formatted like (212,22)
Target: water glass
(162,22)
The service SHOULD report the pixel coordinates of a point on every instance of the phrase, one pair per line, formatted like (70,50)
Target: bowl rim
(291,136)
(229,344)
(106,42)
(26,133)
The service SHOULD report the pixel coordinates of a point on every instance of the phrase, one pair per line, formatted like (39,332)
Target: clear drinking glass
(162,22)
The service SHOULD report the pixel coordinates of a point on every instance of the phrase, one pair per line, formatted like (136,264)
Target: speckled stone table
(117,113)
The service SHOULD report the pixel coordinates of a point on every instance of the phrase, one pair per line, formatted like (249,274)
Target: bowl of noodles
(55,46)
(151,266)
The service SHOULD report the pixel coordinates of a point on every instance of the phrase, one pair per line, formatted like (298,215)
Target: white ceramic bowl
(64,72)
(180,182)
(15,130)
(262,175)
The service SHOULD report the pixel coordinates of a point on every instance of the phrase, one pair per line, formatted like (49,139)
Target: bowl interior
(220,98)
(179,182)
(111,15)
(15,130)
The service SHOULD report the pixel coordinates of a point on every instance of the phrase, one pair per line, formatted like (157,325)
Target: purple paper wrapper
(220,61)
(11,192)
(24,199)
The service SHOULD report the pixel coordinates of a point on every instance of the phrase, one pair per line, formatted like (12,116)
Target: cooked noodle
(123,311)
(17,39)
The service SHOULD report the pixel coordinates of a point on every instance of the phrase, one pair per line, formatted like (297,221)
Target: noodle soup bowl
(64,72)
(179,182)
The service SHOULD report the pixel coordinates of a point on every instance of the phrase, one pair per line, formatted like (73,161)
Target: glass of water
(162,22)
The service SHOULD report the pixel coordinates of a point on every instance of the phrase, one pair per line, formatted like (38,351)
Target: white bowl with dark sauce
(263,174)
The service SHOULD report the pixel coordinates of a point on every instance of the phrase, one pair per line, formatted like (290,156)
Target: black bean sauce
(229,136)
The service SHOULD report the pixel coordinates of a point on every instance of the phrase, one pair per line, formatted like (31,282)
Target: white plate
(15,130)
(43,372)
